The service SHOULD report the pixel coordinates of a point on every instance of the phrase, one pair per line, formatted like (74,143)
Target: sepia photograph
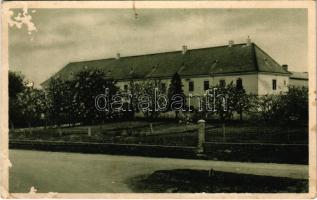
(146,98)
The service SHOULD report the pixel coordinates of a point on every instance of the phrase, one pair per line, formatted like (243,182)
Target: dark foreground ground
(208,181)
(96,173)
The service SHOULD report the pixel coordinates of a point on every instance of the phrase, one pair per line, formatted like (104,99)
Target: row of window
(222,83)
(163,87)
(191,86)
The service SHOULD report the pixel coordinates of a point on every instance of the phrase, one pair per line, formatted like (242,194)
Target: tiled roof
(239,58)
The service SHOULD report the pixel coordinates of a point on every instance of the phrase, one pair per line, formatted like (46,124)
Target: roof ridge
(103,59)
(166,52)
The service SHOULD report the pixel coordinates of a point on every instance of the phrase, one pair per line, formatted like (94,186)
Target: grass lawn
(131,132)
(258,134)
(169,133)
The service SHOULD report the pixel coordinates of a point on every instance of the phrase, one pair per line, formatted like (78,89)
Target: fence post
(151,128)
(201,135)
(60,133)
(224,131)
(89,131)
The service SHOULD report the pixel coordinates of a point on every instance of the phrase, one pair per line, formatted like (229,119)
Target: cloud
(66,35)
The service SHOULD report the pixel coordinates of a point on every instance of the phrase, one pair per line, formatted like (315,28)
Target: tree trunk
(176,114)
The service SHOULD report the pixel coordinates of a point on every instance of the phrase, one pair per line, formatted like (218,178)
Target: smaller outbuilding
(299,79)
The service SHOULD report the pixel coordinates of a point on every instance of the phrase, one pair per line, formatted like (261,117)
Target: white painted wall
(260,84)
(265,84)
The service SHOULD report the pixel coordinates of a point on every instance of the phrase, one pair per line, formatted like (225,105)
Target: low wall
(106,148)
(243,152)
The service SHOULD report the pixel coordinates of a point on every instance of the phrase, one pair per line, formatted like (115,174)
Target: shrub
(282,108)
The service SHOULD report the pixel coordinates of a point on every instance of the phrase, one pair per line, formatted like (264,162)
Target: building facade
(245,64)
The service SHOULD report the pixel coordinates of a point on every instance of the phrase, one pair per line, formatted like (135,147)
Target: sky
(54,37)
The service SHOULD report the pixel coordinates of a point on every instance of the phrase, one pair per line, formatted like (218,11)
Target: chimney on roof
(184,49)
(285,67)
(118,56)
(248,41)
(230,43)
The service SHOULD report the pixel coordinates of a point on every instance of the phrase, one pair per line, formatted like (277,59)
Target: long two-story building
(246,64)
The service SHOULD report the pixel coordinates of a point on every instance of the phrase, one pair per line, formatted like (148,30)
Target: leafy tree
(135,90)
(73,100)
(56,92)
(241,100)
(225,101)
(283,108)
(32,103)
(229,99)
(267,106)
(69,105)
(295,104)
(16,86)
(145,92)
(87,85)
(291,106)
(176,88)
